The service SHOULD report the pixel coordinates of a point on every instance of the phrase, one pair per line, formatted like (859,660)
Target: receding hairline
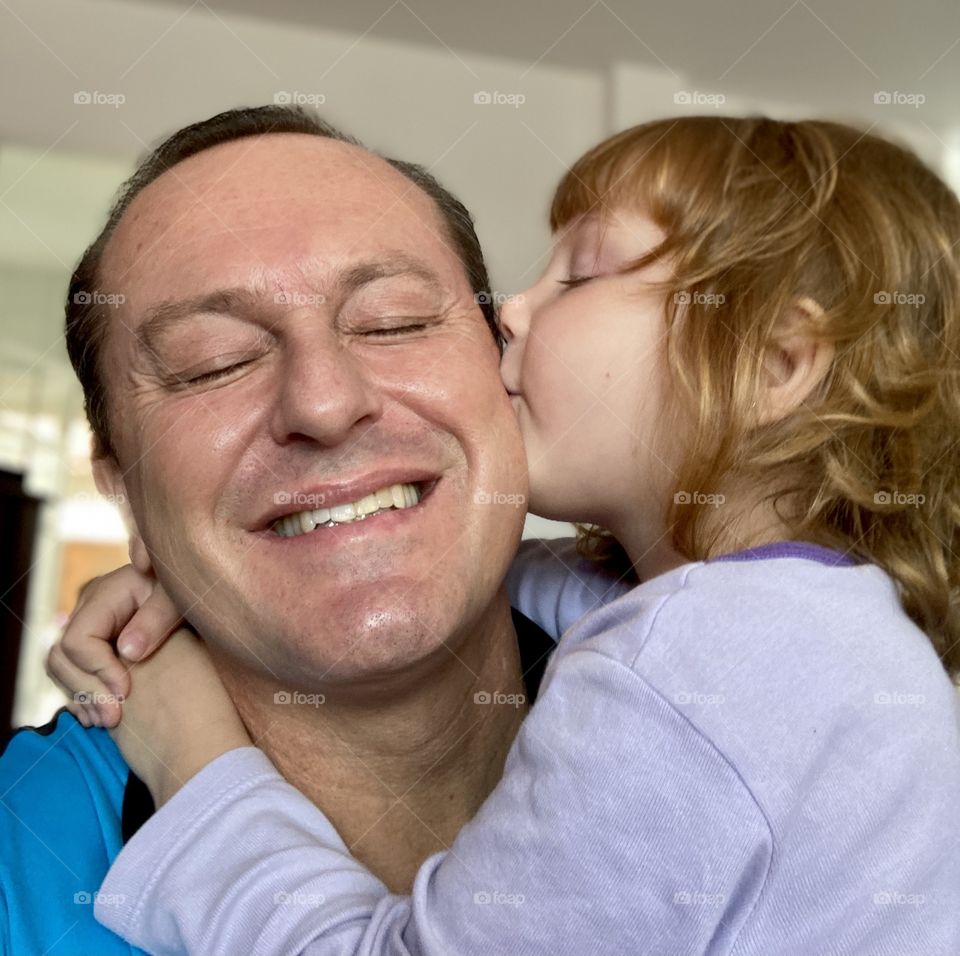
(360,159)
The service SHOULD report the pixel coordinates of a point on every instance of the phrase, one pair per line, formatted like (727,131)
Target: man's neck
(398,773)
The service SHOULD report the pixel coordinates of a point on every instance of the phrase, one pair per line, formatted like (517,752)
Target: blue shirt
(62,794)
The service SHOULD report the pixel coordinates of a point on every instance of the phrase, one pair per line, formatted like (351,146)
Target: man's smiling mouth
(389,498)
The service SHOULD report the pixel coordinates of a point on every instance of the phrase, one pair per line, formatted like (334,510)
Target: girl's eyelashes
(575,281)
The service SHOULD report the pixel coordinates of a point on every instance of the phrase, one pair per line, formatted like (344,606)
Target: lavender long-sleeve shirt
(755,755)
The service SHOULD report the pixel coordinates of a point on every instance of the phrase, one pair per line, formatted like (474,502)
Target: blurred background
(495,98)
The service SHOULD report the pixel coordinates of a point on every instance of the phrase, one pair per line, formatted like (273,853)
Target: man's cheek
(186,442)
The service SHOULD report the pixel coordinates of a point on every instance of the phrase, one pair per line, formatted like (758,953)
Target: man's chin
(370,635)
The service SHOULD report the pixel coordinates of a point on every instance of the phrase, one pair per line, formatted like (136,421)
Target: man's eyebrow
(244,301)
(397,264)
(234,301)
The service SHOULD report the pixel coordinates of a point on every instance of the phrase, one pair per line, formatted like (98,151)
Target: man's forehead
(244,179)
(277,197)
(284,162)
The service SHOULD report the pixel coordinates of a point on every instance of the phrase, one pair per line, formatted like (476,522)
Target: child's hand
(178,716)
(124,605)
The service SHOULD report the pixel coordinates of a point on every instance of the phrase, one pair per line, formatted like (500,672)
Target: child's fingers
(149,627)
(106,707)
(74,683)
(91,653)
(107,605)
(86,694)
(80,711)
(80,714)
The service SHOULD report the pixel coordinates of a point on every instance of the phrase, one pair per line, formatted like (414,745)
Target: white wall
(413,101)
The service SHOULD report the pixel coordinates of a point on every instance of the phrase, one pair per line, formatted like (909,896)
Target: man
(296,331)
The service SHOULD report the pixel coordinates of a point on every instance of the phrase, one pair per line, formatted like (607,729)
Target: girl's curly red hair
(757,214)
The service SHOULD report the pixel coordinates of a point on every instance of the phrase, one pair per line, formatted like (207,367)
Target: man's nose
(327,392)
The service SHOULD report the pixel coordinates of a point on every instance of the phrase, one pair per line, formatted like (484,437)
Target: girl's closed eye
(575,281)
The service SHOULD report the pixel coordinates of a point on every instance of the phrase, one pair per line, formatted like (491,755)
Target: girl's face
(584,365)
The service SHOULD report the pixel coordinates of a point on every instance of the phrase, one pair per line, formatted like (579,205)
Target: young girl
(741,371)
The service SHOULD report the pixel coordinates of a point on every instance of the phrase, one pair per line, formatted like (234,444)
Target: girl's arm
(547,581)
(552,585)
(616,828)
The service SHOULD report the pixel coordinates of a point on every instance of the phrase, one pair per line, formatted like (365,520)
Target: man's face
(330,348)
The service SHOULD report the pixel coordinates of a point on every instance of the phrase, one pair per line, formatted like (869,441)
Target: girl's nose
(514,316)
(514,324)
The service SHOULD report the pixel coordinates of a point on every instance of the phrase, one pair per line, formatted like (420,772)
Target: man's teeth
(303,522)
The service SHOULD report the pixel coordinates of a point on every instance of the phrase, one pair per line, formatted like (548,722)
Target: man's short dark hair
(85,314)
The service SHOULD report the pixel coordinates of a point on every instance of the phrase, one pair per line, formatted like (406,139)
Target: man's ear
(109,481)
(795,363)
